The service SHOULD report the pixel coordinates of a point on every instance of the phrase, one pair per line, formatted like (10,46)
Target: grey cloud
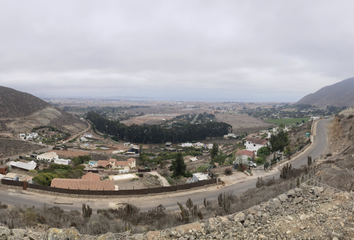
(207,50)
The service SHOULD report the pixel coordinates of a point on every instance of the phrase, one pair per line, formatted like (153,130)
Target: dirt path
(76,135)
(162,179)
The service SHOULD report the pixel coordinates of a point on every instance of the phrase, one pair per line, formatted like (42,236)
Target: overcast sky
(211,50)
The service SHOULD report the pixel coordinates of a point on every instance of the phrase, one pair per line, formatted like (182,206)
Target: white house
(193,159)
(187,144)
(199,177)
(199,144)
(49,156)
(24,166)
(62,161)
(253,144)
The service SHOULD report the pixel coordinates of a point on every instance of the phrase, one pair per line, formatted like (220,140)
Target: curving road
(169,201)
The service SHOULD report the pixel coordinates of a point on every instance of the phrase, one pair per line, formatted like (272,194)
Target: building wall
(253,147)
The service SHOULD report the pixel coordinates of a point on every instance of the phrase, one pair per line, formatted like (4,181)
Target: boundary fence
(26,185)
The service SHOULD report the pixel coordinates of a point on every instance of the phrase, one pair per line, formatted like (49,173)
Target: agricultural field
(242,122)
(287,121)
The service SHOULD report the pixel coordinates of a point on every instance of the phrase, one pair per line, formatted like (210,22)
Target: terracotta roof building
(91,177)
(80,184)
(113,163)
(245,152)
(253,144)
(257,141)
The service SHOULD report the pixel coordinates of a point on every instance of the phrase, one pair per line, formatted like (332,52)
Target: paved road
(315,151)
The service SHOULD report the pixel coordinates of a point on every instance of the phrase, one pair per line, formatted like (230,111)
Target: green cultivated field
(287,121)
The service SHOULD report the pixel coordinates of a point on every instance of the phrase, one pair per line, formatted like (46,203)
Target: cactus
(184,213)
(10,223)
(86,211)
(189,204)
(309,160)
(285,171)
(224,202)
(200,215)
(259,182)
(195,210)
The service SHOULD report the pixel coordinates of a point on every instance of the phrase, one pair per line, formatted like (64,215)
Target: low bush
(228,171)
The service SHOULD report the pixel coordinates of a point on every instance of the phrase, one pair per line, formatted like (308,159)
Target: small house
(62,161)
(199,177)
(3,169)
(168,144)
(23,165)
(48,156)
(193,159)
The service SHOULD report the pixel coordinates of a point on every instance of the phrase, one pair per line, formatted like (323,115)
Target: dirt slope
(20,112)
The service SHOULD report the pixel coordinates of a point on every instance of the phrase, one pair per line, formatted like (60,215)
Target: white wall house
(22,165)
(199,177)
(49,156)
(62,161)
(253,144)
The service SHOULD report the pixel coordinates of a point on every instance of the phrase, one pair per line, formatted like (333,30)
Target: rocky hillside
(306,212)
(302,213)
(11,147)
(20,112)
(337,167)
(338,94)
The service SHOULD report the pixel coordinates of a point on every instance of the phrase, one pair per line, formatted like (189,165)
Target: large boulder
(240,217)
(4,233)
(63,234)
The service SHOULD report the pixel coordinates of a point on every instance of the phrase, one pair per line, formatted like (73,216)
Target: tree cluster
(280,141)
(156,133)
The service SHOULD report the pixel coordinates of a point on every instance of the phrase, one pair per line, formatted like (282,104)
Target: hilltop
(20,112)
(339,94)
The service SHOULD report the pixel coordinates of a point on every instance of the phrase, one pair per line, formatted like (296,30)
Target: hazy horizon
(253,51)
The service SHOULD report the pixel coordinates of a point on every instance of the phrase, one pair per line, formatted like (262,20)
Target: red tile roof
(131,160)
(102,163)
(257,141)
(244,152)
(79,184)
(91,177)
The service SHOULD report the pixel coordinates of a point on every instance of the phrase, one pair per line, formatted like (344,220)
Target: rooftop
(80,184)
(91,177)
(257,141)
(24,165)
(245,152)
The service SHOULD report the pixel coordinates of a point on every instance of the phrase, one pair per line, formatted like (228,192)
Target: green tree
(263,151)
(214,151)
(178,166)
(44,179)
(279,141)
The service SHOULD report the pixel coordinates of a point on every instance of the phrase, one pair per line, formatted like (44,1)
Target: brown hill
(339,94)
(20,112)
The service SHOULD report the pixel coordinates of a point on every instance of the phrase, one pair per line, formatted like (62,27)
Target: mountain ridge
(21,111)
(339,94)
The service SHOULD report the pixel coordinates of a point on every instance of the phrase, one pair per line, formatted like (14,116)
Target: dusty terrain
(11,147)
(243,123)
(70,153)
